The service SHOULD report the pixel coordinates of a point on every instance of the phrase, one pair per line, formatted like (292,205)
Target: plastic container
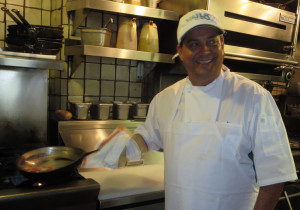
(101,111)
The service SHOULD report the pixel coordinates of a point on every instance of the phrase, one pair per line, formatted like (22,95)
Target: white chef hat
(194,19)
(197,18)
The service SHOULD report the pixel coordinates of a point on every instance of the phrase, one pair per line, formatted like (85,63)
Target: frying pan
(38,43)
(52,162)
(24,27)
(41,31)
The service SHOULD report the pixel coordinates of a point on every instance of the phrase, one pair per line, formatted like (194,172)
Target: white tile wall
(33,3)
(33,16)
(76,87)
(122,73)
(64,73)
(106,60)
(107,72)
(122,88)
(51,86)
(93,59)
(46,18)
(46,4)
(92,71)
(2,30)
(79,73)
(63,102)
(124,62)
(92,87)
(2,14)
(16,2)
(64,87)
(64,16)
(135,90)
(91,99)
(94,20)
(107,88)
(106,99)
(133,72)
(57,86)
(75,99)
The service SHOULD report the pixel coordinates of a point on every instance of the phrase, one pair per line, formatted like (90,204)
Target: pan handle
(12,16)
(25,22)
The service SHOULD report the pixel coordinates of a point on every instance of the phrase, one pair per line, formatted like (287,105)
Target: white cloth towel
(108,156)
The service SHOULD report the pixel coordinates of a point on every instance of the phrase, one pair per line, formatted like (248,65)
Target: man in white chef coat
(224,141)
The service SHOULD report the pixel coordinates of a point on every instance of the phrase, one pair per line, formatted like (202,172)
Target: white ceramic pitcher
(148,40)
(127,35)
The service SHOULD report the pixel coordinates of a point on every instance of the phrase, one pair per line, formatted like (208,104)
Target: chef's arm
(268,196)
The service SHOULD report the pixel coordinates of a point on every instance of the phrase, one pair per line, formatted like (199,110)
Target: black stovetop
(63,192)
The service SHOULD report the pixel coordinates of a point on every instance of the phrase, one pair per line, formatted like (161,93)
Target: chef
(224,141)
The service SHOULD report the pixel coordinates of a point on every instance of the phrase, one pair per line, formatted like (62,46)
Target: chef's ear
(222,40)
(179,51)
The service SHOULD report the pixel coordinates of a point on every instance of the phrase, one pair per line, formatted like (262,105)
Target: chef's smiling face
(202,53)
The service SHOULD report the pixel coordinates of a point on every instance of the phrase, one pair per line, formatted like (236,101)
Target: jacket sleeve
(150,130)
(272,156)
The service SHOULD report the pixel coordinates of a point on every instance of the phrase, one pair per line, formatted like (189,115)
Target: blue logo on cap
(201,16)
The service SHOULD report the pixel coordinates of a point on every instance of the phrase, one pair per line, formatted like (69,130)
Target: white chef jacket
(243,109)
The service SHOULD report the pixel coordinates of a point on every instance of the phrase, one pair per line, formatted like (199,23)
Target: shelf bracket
(76,60)
(140,71)
(79,16)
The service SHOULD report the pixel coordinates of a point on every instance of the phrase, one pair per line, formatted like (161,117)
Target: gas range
(71,191)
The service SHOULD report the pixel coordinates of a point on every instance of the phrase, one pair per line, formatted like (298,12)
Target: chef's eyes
(212,42)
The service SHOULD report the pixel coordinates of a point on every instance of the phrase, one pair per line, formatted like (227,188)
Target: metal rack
(80,10)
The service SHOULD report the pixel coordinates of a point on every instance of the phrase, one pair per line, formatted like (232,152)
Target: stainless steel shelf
(73,5)
(31,63)
(82,8)
(78,51)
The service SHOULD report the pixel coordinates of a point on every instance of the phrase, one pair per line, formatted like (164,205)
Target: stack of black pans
(24,37)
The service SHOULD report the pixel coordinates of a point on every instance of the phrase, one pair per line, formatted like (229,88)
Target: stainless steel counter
(132,185)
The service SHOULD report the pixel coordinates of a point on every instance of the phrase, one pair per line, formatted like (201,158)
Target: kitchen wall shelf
(30,62)
(83,7)
(79,51)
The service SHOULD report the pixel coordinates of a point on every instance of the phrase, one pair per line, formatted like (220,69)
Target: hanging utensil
(25,22)
(108,22)
(12,16)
